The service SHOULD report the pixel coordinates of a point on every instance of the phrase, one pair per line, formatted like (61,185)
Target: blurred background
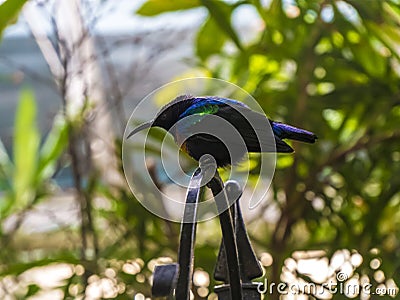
(72,71)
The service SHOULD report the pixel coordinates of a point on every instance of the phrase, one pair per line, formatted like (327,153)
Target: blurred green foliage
(330,66)
(24,178)
(9,11)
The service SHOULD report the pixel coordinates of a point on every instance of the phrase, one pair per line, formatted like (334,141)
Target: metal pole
(178,277)
(188,236)
(236,265)
(228,235)
(248,262)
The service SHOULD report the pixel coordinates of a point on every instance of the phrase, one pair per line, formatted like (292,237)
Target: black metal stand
(236,265)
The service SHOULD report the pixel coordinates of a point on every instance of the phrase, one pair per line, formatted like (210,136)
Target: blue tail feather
(284,131)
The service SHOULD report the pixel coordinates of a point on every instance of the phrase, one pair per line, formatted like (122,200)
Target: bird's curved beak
(140,128)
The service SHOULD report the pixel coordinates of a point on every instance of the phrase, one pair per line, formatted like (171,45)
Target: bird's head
(167,116)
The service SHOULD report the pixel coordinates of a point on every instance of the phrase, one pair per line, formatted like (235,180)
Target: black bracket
(236,265)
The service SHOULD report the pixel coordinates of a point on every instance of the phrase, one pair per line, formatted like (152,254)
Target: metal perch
(236,265)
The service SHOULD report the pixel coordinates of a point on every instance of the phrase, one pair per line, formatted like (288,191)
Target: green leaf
(334,118)
(52,148)
(284,161)
(388,35)
(156,7)
(8,12)
(393,12)
(6,171)
(26,148)
(373,63)
(368,9)
(221,13)
(33,289)
(208,40)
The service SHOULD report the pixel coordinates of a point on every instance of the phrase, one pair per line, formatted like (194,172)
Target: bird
(224,128)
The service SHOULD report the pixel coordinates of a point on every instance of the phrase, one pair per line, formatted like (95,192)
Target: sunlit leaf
(53,147)
(284,161)
(26,147)
(393,11)
(388,35)
(155,7)
(373,63)
(221,13)
(323,46)
(333,117)
(9,11)
(324,88)
(366,9)
(6,173)
(209,40)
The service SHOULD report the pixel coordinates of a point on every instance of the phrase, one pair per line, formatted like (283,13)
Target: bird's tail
(284,131)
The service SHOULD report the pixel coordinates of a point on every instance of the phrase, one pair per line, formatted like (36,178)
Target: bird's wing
(255,128)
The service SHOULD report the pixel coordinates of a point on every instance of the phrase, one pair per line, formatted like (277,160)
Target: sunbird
(223,128)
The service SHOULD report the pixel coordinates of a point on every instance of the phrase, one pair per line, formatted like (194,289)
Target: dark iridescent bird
(223,128)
